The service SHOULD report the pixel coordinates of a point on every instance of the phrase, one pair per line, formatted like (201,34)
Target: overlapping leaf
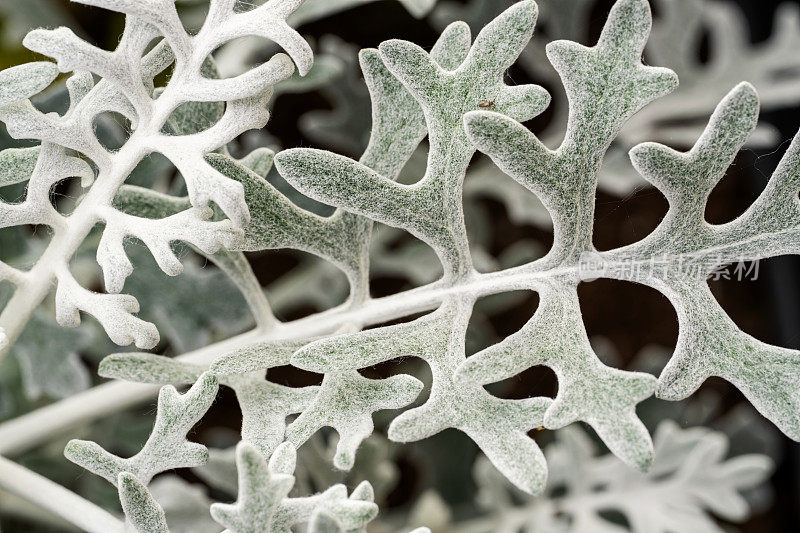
(606,84)
(263,505)
(158,123)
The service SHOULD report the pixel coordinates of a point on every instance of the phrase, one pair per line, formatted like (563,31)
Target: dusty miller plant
(688,481)
(456,96)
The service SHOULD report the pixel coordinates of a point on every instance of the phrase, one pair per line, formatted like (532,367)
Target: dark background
(633,316)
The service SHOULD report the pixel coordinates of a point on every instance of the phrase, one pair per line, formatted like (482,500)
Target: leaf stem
(39,426)
(32,429)
(64,503)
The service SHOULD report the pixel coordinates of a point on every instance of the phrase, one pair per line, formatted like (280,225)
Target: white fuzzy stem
(114,170)
(14,506)
(30,430)
(56,499)
(37,427)
(67,240)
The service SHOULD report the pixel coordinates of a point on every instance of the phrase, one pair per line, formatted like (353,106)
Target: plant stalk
(56,499)
(30,430)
